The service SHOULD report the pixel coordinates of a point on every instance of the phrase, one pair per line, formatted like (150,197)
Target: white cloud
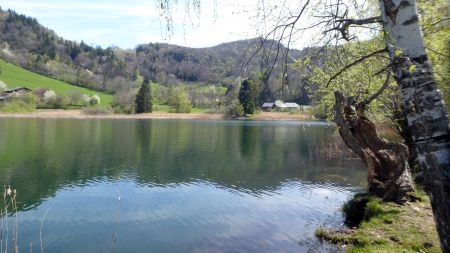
(129,23)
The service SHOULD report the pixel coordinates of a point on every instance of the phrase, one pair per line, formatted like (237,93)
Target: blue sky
(132,22)
(127,23)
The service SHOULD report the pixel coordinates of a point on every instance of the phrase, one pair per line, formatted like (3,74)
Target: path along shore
(79,114)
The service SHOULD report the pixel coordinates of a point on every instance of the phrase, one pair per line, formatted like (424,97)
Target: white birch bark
(424,108)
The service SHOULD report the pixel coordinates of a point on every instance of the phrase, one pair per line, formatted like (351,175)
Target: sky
(128,23)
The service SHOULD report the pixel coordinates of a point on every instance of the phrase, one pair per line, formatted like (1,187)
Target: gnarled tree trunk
(424,108)
(389,176)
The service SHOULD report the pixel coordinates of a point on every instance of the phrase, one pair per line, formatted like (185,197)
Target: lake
(91,185)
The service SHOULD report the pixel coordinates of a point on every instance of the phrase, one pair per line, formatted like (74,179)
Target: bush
(319,111)
(39,92)
(16,106)
(235,109)
(94,100)
(49,95)
(123,101)
(75,98)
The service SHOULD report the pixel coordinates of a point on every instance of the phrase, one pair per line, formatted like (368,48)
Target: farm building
(5,95)
(268,106)
(18,90)
(280,106)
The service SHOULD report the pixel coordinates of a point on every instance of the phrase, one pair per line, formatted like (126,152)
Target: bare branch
(383,69)
(344,24)
(436,52)
(365,57)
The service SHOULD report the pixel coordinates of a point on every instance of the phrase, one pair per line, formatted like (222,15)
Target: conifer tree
(144,98)
(248,96)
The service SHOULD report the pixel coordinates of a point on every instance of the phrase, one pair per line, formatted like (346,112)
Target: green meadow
(15,76)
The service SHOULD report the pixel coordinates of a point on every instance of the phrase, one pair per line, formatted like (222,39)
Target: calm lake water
(173,185)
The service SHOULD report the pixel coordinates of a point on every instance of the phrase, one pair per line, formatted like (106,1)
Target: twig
(378,93)
(436,52)
(365,57)
(344,24)
(383,69)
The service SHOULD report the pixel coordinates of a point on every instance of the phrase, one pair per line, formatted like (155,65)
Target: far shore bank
(79,114)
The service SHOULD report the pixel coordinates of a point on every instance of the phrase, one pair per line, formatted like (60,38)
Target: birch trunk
(424,108)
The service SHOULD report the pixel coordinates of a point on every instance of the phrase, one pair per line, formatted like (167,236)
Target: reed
(334,147)
(9,222)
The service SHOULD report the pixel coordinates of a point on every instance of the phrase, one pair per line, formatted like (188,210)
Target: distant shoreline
(78,114)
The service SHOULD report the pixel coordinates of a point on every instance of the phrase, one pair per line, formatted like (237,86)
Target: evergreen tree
(144,98)
(248,96)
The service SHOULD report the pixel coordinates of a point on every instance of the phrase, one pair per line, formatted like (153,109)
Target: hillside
(26,43)
(15,76)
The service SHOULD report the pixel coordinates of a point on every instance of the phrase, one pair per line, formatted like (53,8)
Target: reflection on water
(175,186)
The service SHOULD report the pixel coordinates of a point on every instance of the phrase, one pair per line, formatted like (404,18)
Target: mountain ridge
(26,43)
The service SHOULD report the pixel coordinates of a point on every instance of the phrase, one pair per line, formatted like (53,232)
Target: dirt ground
(78,114)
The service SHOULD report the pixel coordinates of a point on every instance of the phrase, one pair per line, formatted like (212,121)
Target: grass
(16,107)
(15,76)
(205,88)
(389,227)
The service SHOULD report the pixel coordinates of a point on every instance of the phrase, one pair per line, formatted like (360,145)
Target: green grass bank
(15,76)
(389,227)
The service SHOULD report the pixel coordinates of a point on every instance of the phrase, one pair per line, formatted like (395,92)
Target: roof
(292,105)
(17,89)
(268,105)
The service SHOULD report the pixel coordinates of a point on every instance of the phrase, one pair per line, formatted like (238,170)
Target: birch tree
(424,110)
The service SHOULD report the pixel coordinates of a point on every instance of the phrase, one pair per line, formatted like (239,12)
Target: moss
(388,227)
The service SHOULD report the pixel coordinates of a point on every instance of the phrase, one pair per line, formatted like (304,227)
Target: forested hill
(24,42)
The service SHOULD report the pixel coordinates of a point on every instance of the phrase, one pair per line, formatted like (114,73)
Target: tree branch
(366,101)
(344,24)
(436,52)
(344,126)
(365,57)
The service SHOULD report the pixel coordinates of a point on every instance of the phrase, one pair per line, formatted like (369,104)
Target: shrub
(49,95)
(16,106)
(319,111)
(54,101)
(235,109)
(39,92)
(123,101)
(94,100)
(75,98)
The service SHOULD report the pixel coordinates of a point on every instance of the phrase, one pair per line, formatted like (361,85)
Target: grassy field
(15,76)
